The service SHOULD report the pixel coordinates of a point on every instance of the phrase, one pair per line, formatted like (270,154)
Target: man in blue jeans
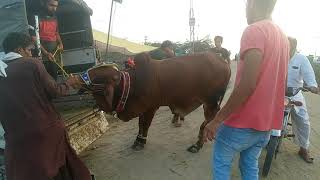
(256,104)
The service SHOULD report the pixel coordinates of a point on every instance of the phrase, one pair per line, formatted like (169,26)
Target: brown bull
(182,83)
(165,53)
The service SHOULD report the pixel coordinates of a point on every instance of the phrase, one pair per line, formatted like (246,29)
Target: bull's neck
(119,89)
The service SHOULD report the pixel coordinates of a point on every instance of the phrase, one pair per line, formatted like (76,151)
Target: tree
(154,44)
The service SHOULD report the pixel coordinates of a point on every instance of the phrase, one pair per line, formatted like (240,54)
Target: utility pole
(192,22)
(110,19)
(145,40)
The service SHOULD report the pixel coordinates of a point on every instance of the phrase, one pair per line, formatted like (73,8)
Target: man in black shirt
(219,50)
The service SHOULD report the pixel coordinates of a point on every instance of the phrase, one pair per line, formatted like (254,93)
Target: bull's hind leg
(144,123)
(210,110)
(175,118)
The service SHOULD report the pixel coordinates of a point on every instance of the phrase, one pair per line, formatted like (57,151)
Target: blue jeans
(229,142)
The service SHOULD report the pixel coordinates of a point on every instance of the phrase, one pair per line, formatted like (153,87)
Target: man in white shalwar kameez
(301,74)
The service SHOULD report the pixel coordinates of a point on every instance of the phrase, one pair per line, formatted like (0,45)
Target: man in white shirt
(300,73)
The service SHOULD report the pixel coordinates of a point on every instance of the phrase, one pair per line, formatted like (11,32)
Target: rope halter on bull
(124,78)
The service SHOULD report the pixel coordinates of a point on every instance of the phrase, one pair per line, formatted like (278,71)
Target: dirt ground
(165,155)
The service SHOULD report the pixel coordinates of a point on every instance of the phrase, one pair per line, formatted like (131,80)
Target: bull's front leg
(144,123)
(199,144)
(210,112)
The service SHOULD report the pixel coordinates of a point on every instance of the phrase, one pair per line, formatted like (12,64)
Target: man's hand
(49,56)
(74,81)
(60,46)
(211,128)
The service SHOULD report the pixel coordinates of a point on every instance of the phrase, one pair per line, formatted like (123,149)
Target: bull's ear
(109,95)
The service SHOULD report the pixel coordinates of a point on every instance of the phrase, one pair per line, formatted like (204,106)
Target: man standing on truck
(49,35)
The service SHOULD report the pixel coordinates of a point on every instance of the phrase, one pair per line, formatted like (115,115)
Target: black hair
(166,43)
(47,1)
(218,37)
(293,42)
(16,40)
(44,3)
(265,6)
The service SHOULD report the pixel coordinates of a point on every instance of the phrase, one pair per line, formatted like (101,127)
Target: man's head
(51,6)
(293,46)
(19,43)
(257,10)
(167,44)
(218,41)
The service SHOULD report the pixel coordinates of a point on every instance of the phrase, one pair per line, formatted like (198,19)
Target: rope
(60,66)
(55,52)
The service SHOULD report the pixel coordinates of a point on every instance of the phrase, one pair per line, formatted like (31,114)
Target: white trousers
(301,123)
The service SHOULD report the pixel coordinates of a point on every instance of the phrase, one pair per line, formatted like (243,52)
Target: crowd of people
(37,145)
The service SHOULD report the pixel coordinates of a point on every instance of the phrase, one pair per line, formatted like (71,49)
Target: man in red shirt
(256,104)
(49,35)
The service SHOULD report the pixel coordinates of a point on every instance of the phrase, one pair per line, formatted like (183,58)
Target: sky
(169,19)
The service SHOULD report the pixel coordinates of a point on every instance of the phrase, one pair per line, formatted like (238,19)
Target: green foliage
(154,44)
(316,68)
(199,46)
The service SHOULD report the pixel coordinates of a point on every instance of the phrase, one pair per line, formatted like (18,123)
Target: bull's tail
(221,96)
(223,92)
(217,98)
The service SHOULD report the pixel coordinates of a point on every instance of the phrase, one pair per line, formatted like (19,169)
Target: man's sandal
(306,157)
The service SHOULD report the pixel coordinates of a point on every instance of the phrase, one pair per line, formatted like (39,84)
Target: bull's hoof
(81,91)
(194,148)
(173,120)
(178,124)
(137,146)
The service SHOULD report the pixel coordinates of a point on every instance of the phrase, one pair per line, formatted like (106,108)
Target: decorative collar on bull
(102,89)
